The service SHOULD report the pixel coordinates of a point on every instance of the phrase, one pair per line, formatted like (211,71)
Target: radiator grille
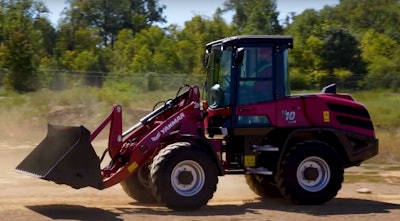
(353,115)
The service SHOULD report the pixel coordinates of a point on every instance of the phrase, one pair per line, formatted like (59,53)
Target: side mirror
(239,56)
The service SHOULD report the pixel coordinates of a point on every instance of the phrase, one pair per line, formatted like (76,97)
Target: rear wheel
(184,177)
(310,173)
(138,186)
(262,186)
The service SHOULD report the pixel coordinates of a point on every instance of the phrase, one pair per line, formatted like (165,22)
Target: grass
(384,106)
(22,114)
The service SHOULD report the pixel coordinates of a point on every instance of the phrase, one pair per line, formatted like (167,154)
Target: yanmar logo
(168,127)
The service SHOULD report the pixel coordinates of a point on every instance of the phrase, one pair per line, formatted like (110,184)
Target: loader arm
(180,115)
(135,154)
(66,155)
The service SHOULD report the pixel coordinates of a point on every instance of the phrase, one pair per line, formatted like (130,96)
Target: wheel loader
(246,121)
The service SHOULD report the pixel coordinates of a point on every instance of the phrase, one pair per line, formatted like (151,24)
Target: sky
(179,11)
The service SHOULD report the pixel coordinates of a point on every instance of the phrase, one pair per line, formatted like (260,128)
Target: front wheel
(310,173)
(184,177)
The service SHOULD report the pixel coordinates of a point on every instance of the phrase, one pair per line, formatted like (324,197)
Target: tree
(340,58)
(359,16)
(110,17)
(341,50)
(124,51)
(193,38)
(255,16)
(381,53)
(306,30)
(324,50)
(79,54)
(23,26)
(170,50)
(48,34)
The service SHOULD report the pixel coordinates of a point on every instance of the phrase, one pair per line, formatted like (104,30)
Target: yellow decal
(326,117)
(249,160)
(132,167)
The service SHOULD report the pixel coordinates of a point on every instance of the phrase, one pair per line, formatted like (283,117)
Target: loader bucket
(65,156)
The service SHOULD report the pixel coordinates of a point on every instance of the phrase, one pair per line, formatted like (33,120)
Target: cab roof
(254,39)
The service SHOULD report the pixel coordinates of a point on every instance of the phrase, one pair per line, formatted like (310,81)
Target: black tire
(184,177)
(138,186)
(310,173)
(262,186)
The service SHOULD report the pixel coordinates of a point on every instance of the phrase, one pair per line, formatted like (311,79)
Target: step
(259,170)
(264,148)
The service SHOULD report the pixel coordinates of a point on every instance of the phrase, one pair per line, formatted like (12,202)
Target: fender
(203,143)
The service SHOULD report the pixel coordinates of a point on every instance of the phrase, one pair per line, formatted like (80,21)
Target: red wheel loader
(294,146)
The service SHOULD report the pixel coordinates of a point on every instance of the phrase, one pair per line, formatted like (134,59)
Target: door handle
(245,109)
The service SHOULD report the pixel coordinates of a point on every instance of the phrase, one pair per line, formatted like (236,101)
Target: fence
(62,80)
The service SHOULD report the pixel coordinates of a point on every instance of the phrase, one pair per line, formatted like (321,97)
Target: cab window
(255,75)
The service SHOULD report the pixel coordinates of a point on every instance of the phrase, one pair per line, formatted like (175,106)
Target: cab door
(255,88)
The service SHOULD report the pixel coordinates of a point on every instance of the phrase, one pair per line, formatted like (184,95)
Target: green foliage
(123,52)
(354,44)
(153,82)
(110,17)
(119,89)
(298,81)
(380,51)
(376,45)
(255,16)
(319,79)
(154,52)
(342,74)
(21,42)
(383,106)
(345,46)
(19,60)
(307,24)
(44,76)
(359,16)
(307,58)
(340,51)
(383,73)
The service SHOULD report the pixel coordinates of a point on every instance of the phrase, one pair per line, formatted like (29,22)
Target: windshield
(254,74)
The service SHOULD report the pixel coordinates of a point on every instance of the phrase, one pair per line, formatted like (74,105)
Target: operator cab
(243,74)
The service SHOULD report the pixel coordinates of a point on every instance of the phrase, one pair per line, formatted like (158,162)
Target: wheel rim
(187,178)
(313,174)
(143,176)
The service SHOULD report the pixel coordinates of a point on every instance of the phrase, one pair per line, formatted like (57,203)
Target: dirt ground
(26,198)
